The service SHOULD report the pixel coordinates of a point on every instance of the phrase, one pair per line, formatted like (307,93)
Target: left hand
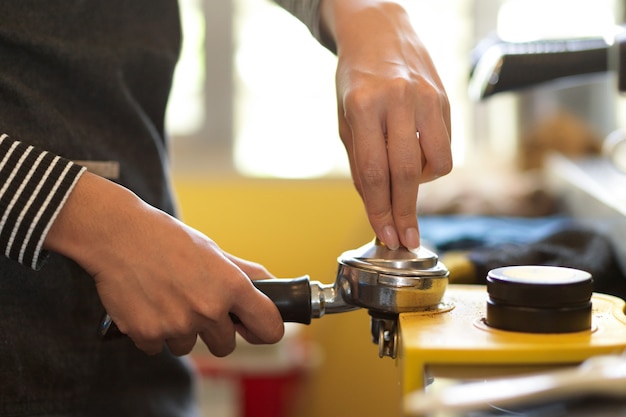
(394,114)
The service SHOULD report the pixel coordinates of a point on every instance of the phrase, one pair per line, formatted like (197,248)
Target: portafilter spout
(384,281)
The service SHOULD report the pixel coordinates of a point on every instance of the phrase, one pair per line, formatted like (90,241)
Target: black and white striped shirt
(34,186)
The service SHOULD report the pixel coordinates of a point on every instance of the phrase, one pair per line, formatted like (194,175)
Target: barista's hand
(394,115)
(160,280)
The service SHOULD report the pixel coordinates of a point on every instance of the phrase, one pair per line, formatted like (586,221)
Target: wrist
(85,225)
(344,21)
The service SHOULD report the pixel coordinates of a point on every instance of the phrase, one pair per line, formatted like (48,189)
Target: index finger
(372,167)
(259,318)
(405,166)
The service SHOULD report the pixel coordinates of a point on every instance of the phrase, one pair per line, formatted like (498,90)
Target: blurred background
(259,167)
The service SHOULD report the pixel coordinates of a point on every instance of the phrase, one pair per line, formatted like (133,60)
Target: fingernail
(390,237)
(412,239)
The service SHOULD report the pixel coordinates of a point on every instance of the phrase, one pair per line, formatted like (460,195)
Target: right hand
(394,113)
(160,280)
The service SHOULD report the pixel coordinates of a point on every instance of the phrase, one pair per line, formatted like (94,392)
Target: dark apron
(87,80)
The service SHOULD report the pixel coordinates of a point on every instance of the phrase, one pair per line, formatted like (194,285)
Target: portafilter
(386,282)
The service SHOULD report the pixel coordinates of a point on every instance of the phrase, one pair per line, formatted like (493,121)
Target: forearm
(49,203)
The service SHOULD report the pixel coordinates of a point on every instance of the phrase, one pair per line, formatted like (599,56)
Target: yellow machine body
(456,343)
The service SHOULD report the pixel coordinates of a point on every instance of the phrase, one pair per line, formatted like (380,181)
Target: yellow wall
(294,228)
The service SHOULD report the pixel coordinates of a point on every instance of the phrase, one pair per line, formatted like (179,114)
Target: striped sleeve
(34,185)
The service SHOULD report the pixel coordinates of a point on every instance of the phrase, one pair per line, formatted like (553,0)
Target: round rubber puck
(539,299)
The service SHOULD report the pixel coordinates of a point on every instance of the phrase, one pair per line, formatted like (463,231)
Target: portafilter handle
(298,300)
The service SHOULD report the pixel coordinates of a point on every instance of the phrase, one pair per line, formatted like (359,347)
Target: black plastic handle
(511,66)
(291,296)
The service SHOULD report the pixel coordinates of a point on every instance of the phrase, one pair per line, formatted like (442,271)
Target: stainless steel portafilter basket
(385,282)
